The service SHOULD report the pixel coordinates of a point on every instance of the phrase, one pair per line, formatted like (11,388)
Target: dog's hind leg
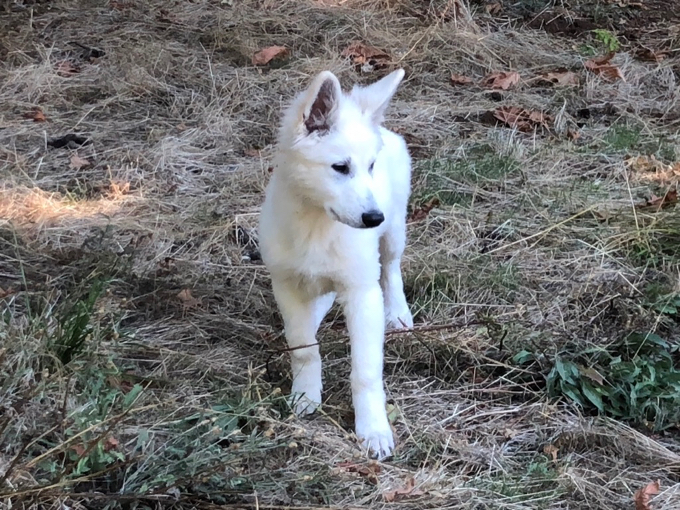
(364,312)
(392,244)
(301,316)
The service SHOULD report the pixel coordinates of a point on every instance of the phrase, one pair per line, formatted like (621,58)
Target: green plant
(637,380)
(74,324)
(622,137)
(608,39)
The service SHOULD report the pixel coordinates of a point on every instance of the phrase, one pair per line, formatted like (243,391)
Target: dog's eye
(343,168)
(370,168)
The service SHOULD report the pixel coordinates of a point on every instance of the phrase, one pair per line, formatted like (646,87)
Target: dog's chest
(333,254)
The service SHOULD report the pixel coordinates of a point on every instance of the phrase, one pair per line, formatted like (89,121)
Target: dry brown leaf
(657,203)
(4,293)
(77,162)
(521,119)
(493,8)
(370,471)
(599,61)
(458,79)
(121,5)
(420,213)
(362,54)
(645,163)
(408,491)
(501,80)
(649,168)
(66,68)
(266,55)
(111,443)
(602,67)
(561,78)
(36,115)
(78,449)
(187,299)
(573,134)
(552,451)
(643,495)
(651,55)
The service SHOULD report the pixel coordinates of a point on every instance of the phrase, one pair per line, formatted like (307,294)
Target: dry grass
(174,398)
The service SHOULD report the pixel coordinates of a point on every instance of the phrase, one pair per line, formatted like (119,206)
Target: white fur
(312,243)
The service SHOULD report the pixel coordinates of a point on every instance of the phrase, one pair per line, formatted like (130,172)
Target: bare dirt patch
(140,348)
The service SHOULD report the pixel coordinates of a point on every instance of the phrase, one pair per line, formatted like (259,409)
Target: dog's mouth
(337,218)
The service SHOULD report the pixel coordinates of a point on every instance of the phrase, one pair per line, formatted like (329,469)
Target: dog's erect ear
(321,103)
(374,99)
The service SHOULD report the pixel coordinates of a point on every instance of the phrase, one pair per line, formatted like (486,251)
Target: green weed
(636,380)
(607,39)
(74,324)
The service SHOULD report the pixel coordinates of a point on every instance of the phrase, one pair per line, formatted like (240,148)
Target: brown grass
(535,245)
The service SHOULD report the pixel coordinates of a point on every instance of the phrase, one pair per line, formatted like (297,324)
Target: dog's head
(331,141)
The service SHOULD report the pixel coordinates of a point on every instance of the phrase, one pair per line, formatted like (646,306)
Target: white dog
(334,224)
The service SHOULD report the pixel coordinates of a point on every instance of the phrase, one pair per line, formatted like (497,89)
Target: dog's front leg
(364,311)
(302,315)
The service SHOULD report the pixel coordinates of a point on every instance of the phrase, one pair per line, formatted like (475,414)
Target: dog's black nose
(372,218)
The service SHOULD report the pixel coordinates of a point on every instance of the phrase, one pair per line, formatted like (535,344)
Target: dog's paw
(399,319)
(304,403)
(377,439)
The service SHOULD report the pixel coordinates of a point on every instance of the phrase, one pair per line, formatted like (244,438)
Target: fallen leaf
(408,491)
(362,54)
(521,119)
(266,55)
(644,163)
(651,55)
(493,8)
(120,384)
(66,68)
(36,115)
(421,212)
(658,203)
(4,293)
(602,67)
(457,79)
(561,78)
(122,5)
(78,449)
(187,299)
(501,80)
(370,471)
(552,450)
(573,134)
(77,162)
(111,443)
(643,495)
(649,168)
(600,61)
